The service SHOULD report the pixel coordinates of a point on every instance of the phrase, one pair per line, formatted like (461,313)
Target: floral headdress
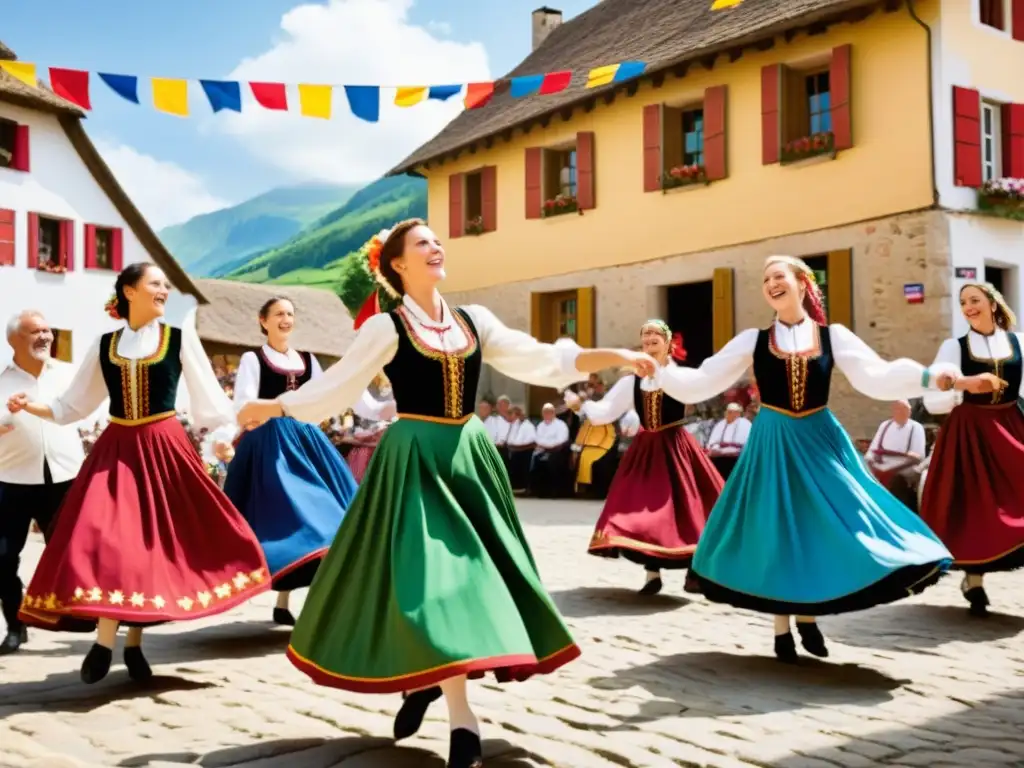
(111,307)
(363,287)
(675,340)
(996,298)
(814,299)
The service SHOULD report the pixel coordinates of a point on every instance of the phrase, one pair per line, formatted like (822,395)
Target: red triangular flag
(270,95)
(554,82)
(71,84)
(478,94)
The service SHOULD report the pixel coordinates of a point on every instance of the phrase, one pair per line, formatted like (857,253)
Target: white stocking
(652,575)
(975,580)
(456,697)
(782,625)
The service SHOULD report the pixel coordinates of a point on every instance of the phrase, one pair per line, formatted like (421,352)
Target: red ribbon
(370,308)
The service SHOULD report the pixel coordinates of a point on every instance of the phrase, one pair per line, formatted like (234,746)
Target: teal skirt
(802,526)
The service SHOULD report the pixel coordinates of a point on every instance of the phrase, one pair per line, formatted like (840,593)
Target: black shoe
(811,638)
(13,641)
(138,668)
(652,587)
(978,599)
(785,648)
(96,664)
(414,708)
(692,585)
(465,750)
(284,616)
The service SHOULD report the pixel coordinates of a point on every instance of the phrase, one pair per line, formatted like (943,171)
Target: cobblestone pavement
(663,682)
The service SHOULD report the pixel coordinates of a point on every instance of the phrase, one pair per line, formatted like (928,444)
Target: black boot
(96,664)
(811,638)
(785,648)
(16,636)
(978,599)
(284,616)
(138,668)
(414,708)
(652,587)
(465,750)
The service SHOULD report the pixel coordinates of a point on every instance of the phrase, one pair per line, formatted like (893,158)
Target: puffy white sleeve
(346,381)
(947,359)
(871,375)
(613,405)
(370,408)
(315,369)
(715,375)
(209,405)
(247,380)
(520,356)
(86,392)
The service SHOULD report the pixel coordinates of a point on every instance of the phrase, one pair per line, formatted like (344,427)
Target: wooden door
(553,316)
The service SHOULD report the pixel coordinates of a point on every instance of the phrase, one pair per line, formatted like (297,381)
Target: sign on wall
(966,273)
(913,293)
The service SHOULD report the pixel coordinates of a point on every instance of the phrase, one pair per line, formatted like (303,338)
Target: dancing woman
(144,535)
(447,586)
(972,497)
(287,479)
(802,527)
(665,486)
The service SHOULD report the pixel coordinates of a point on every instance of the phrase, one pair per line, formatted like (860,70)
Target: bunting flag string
(172,95)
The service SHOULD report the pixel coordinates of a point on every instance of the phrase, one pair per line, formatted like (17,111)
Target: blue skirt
(293,487)
(802,527)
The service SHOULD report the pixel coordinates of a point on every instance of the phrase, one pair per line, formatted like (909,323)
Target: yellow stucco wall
(887,171)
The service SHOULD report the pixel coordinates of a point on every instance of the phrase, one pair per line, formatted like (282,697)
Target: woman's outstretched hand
(16,403)
(981,383)
(641,363)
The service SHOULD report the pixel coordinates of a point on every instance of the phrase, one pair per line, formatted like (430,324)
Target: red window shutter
(33,240)
(456,218)
(67,244)
(771,113)
(1017,20)
(714,133)
(20,160)
(6,238)
(117,249)
(585,197)
(966,137)
(489,197)
(839,93)
(1013,140)
(90,246)
(534,182)
(652,147)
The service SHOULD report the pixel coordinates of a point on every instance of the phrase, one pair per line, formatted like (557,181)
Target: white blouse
(522,433)
(866,371)
(617,402)
(209,406)
(247,382)
(994,347)
(513,353)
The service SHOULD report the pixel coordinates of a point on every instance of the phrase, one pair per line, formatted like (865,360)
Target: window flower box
(475,226)
(815,145)
(559,205)
(1003,197)
(51,268)
(683,175)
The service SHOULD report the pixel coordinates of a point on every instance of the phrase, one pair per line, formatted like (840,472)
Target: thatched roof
(6,53)
(42,98)
(662,33)
(323,325)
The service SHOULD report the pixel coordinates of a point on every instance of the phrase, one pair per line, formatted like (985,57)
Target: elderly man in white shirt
(38,459)
(728,438)
(522,439)
(896,452)
(549,467)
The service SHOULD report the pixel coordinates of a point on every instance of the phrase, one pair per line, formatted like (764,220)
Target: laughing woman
(446,585)
(802,527)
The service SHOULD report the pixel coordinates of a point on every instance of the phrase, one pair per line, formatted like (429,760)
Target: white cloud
(164,192)
(440,27)
(354,42)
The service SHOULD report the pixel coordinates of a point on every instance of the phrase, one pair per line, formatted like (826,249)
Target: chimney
(544,21)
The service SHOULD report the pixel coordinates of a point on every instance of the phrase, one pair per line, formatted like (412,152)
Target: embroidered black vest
(145,387)
(426,382)
(793,382)
(276,381)
(655,408)
(1007,368)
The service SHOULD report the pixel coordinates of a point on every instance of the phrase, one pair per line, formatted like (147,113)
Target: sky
(175,168)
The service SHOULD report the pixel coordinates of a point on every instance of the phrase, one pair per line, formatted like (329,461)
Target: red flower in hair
(111,308)
(677,350)
(373,253)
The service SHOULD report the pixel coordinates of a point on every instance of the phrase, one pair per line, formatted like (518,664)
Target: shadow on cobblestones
(913,626)
(65,692)
(584,602)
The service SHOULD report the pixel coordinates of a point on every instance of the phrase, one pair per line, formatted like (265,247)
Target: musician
(895,453)
(522,439)
(728,438)
(595,458)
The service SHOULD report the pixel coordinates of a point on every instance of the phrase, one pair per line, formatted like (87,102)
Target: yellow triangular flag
(315,100)
(170,96)
(21,70)
(410,95)
(719,5)
(602,75)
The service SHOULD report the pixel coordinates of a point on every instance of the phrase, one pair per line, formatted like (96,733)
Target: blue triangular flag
(443,92)
(524,86)
(364,101)
(628,70)
(125,86)
(223,94)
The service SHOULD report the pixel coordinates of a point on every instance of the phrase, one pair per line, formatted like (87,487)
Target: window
(559,174)
(693,137)
(51,243)
(50,235)
(61,347)
(991,160)
(992,13)
(474,206)
(8,132)
(833,273)
(819,105)
(808,102)
(104,248)
(566,320)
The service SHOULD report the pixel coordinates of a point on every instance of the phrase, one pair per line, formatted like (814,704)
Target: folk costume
(144,536)
(972,497)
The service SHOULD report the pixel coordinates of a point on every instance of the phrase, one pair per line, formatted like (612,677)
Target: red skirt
(358,460)
(659,501)
(972,498)
(144,536)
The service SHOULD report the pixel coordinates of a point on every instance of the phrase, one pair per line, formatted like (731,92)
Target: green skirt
(430,575)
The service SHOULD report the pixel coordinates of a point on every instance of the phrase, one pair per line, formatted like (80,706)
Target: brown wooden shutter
(62,346)
(6,238)
(456,216)
(33,241)
(534,182)
(966,137)
(771,113)
(117,249)
(67,244)
(723,315)
(21,156)
(1017,20)
(90,246)
(714,133)
(586,317)
(839,94)
(1013,140)
(653,164)
(585,197)
(839,287)
(489,197)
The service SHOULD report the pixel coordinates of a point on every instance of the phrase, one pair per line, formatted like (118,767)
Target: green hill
(314,256)
(208,244)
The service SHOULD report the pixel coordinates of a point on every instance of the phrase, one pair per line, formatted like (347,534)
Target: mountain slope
(205,244)
(314,256)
